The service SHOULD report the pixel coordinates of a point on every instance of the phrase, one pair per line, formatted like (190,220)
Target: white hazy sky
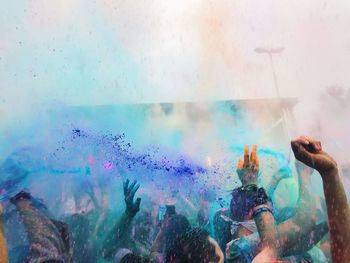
(103,52)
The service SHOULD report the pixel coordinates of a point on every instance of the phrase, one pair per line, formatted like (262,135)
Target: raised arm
(118,235)
(247,170)
(309,151)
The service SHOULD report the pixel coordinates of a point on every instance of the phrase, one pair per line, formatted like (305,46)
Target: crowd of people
(250,229)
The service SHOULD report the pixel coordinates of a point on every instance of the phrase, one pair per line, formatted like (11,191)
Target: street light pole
(270,52)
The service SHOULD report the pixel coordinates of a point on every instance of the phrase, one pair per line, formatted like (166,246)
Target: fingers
(316,145)
(125,186)
(246,157)
(253,153)
(301,153)
(137,203)
(254,158)
(304,140)
(319,146)
(130,191)
(240,164)
(134,190)
(255,164)
(132,185)
(312,144)
(251,161)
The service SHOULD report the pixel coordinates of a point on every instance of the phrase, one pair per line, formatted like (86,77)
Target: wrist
(248,177)
(262,208)
(129,213)
(330,174)
(249,183)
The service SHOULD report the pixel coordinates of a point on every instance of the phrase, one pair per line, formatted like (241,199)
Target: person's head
(195,246)
(177,226)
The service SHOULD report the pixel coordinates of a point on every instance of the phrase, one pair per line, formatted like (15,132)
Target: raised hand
(309,151)
(129,193)
(248,167)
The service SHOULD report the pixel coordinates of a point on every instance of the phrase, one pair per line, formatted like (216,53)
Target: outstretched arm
(309,151)
(117,236)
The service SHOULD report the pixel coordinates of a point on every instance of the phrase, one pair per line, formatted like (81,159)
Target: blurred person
(172,227)
(48,238)
(116,245)
(141,233)
(81,239)
(195,245)
(88,219)
(176,226)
